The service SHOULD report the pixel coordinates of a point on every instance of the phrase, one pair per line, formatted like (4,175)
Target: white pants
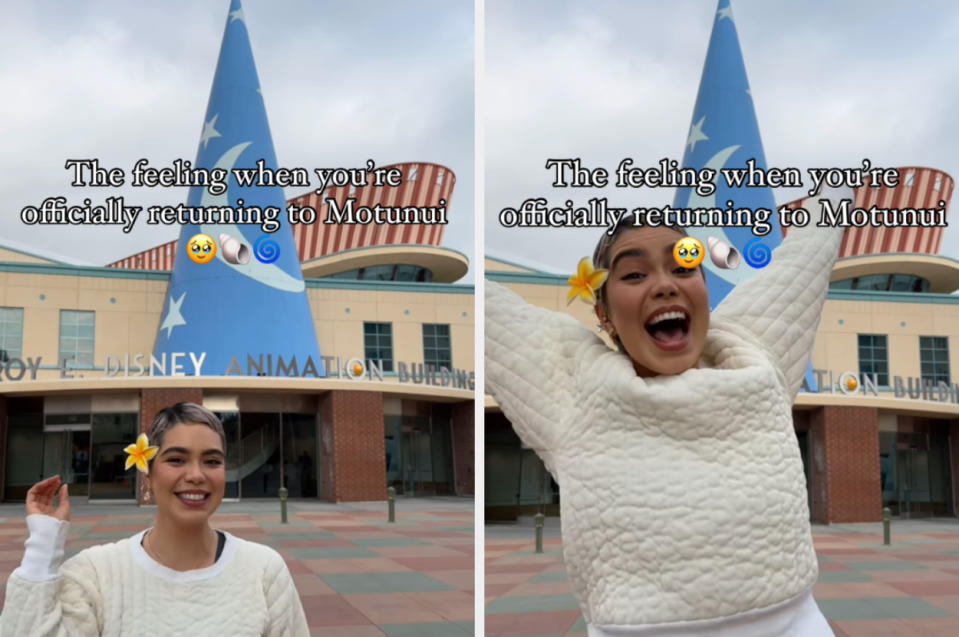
(798,617)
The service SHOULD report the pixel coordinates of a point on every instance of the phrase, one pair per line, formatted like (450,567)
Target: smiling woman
(199,580)
(694,408)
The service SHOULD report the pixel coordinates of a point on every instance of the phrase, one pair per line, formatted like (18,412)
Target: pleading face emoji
(201,248)
(689,252)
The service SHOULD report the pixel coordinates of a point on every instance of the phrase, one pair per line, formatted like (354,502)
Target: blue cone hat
(250,299)
(724,134)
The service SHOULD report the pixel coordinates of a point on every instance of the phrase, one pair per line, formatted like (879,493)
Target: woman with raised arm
(683,503)
(179,577)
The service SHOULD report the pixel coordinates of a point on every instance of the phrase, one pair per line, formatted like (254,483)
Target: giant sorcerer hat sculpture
(724,134)
(256,305)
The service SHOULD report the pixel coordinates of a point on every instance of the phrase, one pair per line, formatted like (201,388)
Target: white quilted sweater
(682,497)
(117,590)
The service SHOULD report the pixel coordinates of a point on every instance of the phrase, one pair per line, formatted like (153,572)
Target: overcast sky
(343,81)
(612,79)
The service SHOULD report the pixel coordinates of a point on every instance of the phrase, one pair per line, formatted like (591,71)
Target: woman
(683,503)
(180,577)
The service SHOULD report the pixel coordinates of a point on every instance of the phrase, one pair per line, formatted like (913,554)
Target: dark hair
(184,414)
(603,248)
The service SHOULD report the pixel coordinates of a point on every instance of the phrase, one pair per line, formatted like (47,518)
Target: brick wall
(352,448)
(845,465)
(152,401)
(463,448)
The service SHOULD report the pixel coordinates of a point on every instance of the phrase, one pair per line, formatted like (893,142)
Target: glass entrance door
(259,469)
(109,477)
(913,482)
(231,429)
(299,451)
(915,472)
(67,454)
(417,457)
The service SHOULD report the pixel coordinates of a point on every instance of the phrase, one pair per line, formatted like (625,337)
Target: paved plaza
(865,589)
(357,574)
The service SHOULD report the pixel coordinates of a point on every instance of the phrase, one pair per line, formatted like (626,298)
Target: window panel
(436,345)
(11,333)
(873,357)
(378,343)
(77,329)
(934,358)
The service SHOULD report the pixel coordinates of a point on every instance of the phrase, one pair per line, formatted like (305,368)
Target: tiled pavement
(865,589)
(357,575)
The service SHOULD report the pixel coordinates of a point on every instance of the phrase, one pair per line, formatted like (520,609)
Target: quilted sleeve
(69,605)
(783,303)
(287,618)
(530,358)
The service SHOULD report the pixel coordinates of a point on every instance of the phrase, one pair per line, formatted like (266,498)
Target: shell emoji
(234,250)
(722,254)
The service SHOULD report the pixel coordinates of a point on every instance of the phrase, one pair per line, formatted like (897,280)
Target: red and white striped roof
(918,187)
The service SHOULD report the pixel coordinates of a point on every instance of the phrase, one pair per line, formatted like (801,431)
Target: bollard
(283,494)
(391,502)
(539,518)
(886,520)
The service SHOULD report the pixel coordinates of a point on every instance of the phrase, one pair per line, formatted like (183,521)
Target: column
(352,448)
(845,465)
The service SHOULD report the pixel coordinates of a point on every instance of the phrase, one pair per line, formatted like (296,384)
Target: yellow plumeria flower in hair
(586,281)
(140,454)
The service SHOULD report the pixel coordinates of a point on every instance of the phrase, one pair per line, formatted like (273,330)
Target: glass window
(109,478)
(11,333)
(231,427)
(299,450)
(934,358)
(76,337)
(436,345)
(24,449)
(386,273)
(259,471)
(882,283)
(874,357)
(378,343)
(874,282)
(908,283)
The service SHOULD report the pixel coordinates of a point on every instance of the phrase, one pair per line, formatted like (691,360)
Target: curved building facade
(81,377)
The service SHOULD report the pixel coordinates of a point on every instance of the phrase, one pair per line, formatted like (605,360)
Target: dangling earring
(610,331)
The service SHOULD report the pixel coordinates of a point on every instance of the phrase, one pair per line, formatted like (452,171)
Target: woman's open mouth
(669,328)
(196,499)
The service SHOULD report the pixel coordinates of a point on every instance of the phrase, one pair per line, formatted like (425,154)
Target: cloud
(342,83)
(619,79)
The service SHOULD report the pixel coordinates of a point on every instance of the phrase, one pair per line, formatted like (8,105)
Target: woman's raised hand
(40,499)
